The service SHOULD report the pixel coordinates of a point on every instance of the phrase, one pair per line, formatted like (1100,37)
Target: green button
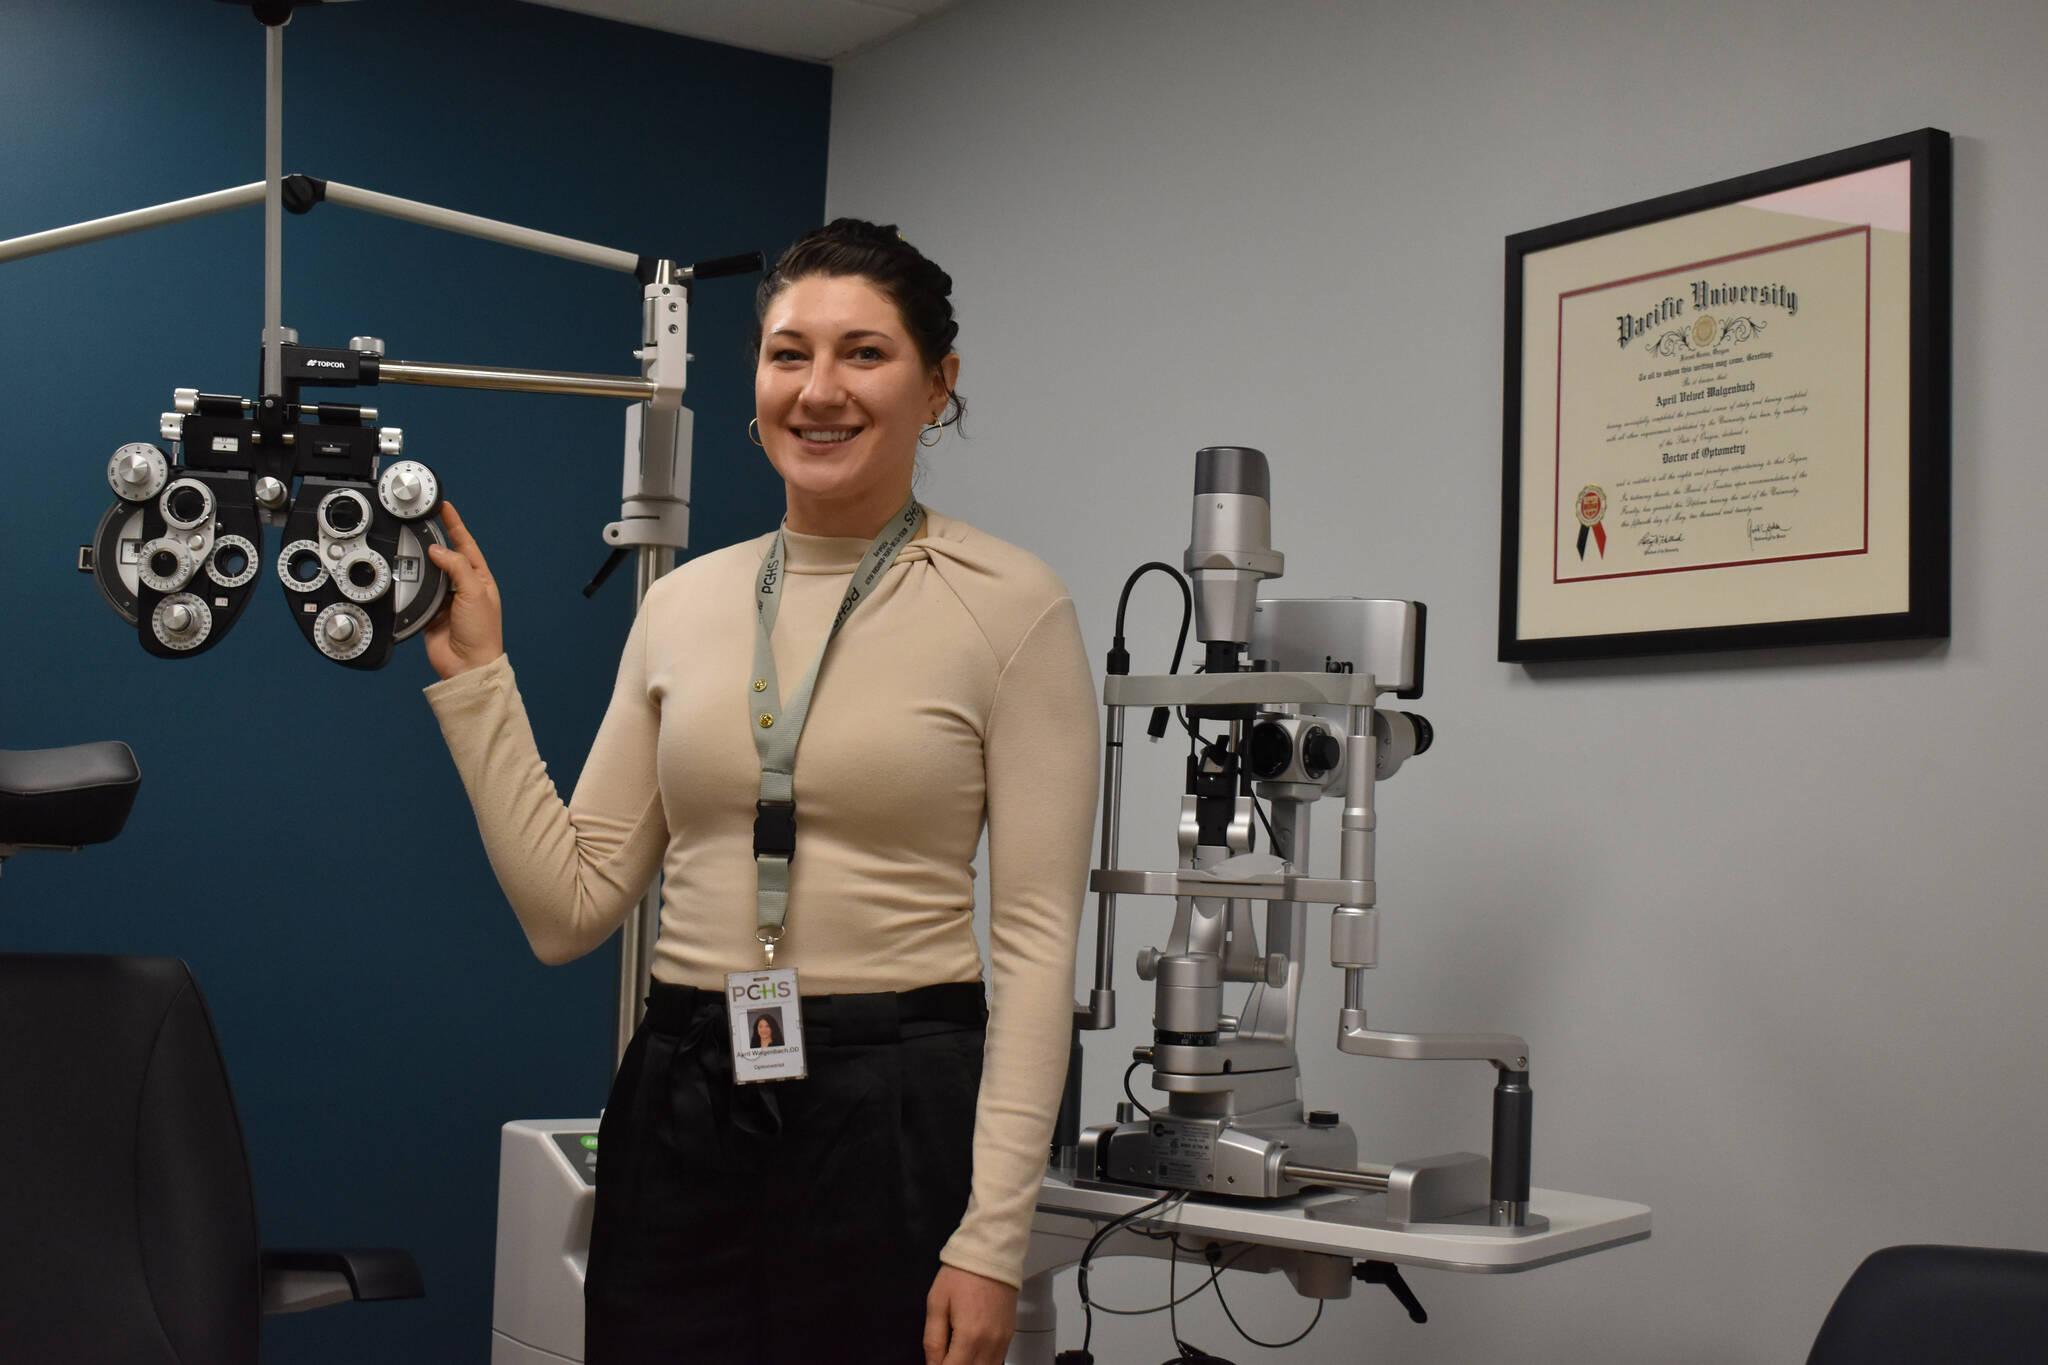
(590,1142)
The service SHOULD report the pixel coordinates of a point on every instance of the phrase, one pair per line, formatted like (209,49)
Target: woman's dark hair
(877,253)
(774,1028)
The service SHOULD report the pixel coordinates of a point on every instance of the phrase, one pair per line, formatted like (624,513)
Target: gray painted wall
(1771,921)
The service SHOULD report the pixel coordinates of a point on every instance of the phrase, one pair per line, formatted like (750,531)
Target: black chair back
(127,1222)
(1933,1303)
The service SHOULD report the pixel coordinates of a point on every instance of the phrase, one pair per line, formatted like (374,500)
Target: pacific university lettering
(1705,295)
(1633,327)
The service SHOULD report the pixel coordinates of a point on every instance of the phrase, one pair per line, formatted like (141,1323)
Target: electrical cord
(1213,1253)
(1120,657)
(1269,1345)
(1174,1197)
(1187,605)
(1196,1292)
(1128,1093)
(1172,1317)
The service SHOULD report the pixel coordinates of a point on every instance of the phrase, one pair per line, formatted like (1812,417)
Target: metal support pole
(1373,1181)
(521,381)
(490,229)
(1102,999)
(1512,1106)
(643,923)
(273,209)
(136,220)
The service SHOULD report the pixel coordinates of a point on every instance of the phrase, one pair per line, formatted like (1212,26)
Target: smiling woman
(943,691)
(854,361)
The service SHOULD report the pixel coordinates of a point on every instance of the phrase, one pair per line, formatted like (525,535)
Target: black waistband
(835,1019)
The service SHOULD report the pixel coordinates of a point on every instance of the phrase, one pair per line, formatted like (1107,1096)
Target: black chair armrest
(298,1278)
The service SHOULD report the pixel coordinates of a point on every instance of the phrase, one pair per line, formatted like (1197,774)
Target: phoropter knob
(409,490)
(181,622)
(342,631)
(138,471)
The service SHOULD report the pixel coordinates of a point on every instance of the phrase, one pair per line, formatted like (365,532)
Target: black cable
(1187,605)
(1269,1345)
(1128,1094)
(1172,1317)
(1196,1292)
(1088,1253)
(1120,658)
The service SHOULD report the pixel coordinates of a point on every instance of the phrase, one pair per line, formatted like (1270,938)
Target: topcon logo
(328,364)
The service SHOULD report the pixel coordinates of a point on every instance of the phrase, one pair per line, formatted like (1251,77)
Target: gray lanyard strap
(778,727)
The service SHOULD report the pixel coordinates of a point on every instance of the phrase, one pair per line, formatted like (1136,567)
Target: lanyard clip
(775,829)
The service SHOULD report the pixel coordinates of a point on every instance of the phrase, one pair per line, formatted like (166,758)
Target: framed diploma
(1727,414)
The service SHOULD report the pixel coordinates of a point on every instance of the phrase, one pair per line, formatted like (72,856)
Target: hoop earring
(937,434)
(754,433)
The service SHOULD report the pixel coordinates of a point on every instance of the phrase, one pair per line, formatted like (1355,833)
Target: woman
(897,1178)
(767,1031)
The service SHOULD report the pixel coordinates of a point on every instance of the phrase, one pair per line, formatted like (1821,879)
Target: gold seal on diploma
(1705,332)
(1592,507)
(1592,504)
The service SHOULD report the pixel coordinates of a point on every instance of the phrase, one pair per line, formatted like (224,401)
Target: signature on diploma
(1661,542)
(1764,532)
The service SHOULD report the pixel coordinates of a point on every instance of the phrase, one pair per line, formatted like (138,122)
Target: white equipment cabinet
(547,1190)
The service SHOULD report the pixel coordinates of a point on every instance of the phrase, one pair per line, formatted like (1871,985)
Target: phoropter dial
(181,621)
(342,631)
(166,564)
(188,505)
(409,490)
(344,514)
(233,561)
(138,471)
(364,576)
(300,567)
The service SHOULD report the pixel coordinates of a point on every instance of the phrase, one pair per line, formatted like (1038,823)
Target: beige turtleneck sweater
(957,696)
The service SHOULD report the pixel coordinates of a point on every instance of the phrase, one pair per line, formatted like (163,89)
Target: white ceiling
(813,30)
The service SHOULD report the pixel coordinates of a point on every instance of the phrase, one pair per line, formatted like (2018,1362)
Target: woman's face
(764,1032)
(841,394)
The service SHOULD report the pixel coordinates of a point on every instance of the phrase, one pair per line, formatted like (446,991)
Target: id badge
(767,1025)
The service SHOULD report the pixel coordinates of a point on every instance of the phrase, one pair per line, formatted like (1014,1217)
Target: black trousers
(792,1221)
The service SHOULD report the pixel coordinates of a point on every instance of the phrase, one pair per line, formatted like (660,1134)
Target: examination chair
(127,1217)
(1916,1304)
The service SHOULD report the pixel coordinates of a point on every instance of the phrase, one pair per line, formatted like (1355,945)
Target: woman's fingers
(462,542)
(469,628)
(458,569)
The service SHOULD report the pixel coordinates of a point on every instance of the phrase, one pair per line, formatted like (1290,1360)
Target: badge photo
(766,1014)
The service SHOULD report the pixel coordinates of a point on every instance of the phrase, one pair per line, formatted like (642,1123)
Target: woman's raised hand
(469,630)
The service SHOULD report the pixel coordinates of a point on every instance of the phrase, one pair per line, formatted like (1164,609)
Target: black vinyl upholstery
(66,797)
(1922,1304)
(129,1222)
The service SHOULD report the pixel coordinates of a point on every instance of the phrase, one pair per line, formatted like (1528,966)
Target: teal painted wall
(301,837)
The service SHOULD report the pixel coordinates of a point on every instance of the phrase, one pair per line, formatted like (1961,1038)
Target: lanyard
(778,727)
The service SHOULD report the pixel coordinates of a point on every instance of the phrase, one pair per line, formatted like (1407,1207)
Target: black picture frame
(1531,632)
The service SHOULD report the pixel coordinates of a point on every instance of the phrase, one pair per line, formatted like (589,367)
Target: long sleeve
(570,871)
(1041,748)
